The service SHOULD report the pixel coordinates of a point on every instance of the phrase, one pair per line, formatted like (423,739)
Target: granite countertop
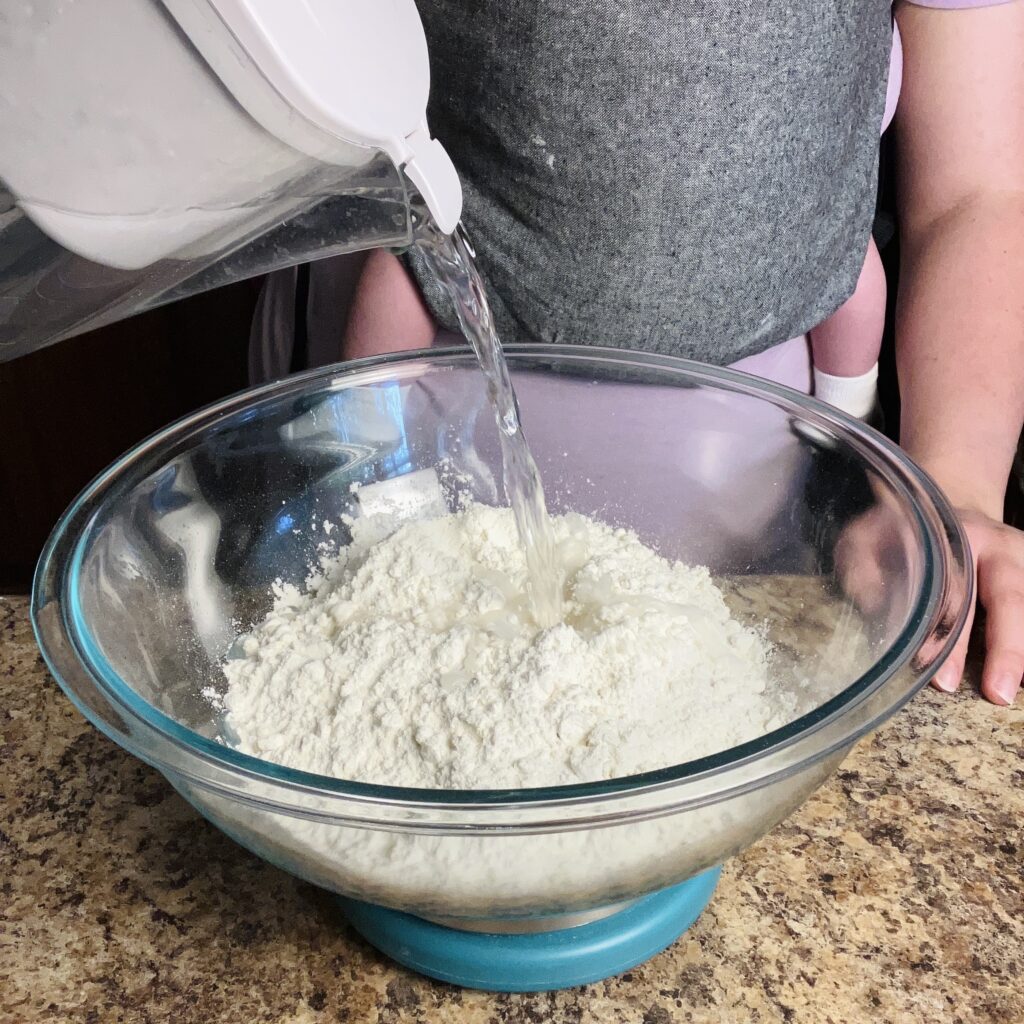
(896,894)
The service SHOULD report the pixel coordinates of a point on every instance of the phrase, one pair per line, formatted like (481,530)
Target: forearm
(960,347)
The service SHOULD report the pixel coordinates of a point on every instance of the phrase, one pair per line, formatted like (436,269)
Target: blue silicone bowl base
(541,961)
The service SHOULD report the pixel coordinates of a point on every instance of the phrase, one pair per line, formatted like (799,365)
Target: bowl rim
(936,526)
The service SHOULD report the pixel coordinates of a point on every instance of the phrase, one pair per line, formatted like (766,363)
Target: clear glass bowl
(815,527)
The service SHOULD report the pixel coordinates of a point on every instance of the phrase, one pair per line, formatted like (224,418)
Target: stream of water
(450,258)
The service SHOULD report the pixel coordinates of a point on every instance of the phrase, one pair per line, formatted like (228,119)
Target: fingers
(867,561)
(949,677)
(1001,590)
(951,673)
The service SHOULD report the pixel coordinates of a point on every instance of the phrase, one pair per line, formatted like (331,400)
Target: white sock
(856,396)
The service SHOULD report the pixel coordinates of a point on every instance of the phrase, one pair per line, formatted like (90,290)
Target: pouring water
(450,258)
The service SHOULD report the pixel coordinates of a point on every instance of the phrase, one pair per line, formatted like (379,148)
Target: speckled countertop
(896,894)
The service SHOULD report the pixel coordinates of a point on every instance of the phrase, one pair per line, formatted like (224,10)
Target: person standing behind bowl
(700,181)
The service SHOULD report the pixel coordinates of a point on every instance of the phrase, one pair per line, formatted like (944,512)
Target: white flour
(412,661)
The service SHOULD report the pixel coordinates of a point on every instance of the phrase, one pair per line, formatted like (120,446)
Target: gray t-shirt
(689,178)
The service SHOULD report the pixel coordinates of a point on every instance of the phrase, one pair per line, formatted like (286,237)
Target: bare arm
(960,317)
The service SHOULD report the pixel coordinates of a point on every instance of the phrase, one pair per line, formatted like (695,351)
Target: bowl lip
(878,452)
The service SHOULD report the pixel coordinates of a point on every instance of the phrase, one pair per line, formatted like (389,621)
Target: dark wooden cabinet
(69,410)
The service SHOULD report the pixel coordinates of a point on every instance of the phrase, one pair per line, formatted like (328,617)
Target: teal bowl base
(540,961)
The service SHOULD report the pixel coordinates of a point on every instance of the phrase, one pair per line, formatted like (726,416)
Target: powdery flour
(412,660)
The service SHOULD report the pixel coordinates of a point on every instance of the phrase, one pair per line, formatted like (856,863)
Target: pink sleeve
(955,5)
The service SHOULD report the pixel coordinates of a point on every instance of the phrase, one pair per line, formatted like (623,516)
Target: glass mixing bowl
(817,530)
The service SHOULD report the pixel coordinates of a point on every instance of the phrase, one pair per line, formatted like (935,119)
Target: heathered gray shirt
(686,177)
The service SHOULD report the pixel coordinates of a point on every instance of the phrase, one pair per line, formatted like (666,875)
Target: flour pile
(412,660)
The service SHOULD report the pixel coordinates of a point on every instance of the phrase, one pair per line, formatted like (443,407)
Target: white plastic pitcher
(156,149)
